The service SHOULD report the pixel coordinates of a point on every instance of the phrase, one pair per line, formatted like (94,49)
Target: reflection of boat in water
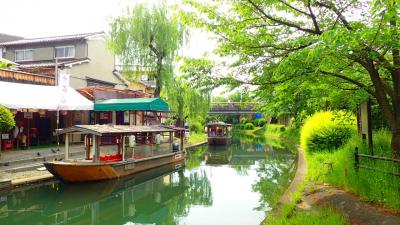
(136,199)
(219,133)
(126,160)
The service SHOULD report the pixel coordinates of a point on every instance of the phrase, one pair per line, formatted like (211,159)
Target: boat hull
(88,171)
(218,140)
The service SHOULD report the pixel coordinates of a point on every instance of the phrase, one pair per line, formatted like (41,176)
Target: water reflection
(219,185)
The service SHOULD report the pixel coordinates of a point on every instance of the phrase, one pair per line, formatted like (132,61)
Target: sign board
(28,115)
(5,136)
(63,78)
(126,116)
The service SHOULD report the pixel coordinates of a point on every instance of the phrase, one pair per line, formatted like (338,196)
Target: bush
(249,126)
(196,127)
(7,121)
(259,122)
(244,120)
(326,130)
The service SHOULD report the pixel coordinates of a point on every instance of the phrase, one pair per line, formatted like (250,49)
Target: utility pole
(58,111)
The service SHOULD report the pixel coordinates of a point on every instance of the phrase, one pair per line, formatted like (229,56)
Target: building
(140,78)
(85,57)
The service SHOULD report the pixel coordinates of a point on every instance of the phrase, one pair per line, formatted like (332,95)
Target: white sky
(42,18)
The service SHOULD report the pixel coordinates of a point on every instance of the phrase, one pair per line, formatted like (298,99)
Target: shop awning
(138,104)
(29,96)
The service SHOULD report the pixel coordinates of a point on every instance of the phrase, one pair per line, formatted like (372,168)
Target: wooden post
(66,146)
(182,137)
(369,115)
(87,146)
(123,147)
(356,159)
(96,153)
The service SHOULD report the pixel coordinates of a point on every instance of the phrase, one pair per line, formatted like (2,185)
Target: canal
(234,184)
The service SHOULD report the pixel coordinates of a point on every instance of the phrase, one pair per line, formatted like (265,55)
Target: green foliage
(326,130)
(369,185)
(307,56)
(318,216)
(249,126)
(7,121)
(197,127)
(259,122)
(148,38)
(196,138)
(244,120)
(190,102)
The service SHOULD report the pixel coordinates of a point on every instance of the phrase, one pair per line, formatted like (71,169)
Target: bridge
(233,108)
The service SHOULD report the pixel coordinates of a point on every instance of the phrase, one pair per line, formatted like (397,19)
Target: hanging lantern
(14,112)
(64,113)
(42,113)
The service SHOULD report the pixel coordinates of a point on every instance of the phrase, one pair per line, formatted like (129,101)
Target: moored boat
(137,148)
(219,133)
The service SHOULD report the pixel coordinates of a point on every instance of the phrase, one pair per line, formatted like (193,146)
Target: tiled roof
(49,39)
(7,37)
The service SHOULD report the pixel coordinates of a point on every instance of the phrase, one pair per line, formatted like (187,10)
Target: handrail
(357,164)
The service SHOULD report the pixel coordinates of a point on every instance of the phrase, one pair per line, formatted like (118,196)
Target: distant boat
(219,133)
(134,149)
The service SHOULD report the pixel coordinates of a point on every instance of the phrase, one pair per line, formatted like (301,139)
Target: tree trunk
(157,91)
(395,145)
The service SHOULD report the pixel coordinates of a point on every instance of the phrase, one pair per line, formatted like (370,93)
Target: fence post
(356,159)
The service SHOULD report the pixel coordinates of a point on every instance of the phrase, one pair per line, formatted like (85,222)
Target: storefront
(35,108)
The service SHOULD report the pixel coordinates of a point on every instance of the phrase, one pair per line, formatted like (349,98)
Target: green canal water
(234,184)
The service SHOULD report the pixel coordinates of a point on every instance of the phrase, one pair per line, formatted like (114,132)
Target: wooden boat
(138,148)
(219,133)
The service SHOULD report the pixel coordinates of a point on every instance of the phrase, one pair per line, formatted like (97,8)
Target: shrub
(196,127)
(259,122)
(249,126)
(244,120)
(326,130)
(7,121)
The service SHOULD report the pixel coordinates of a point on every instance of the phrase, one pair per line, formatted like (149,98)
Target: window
(23,55)
(65,52)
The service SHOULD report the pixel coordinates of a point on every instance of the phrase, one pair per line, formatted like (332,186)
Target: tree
(7,121)
(188,99)
(353,44)
(148,37)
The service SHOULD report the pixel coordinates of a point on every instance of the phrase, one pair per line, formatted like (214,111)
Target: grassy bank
(196,138)
(288,214)
(369,185)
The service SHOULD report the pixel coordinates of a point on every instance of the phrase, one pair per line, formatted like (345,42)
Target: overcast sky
(42,18)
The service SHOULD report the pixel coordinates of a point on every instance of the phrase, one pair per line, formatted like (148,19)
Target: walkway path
(11,155)
(354,210)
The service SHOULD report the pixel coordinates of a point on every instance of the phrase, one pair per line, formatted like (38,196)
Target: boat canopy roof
(219,124)
(138,104)
(99,130)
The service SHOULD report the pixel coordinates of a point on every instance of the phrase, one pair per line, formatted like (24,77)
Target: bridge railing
(232,106)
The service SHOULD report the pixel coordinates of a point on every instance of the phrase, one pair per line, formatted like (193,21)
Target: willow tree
(148,37)
(190,100)
(350,43)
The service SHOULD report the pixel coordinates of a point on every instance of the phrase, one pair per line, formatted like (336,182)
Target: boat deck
(137,152)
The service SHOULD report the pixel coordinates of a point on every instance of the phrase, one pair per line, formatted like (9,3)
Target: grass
(289,215)
(318,216)
(369,185)
(196,138)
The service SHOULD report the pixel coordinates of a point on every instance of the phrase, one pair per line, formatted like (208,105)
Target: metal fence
(357,164)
